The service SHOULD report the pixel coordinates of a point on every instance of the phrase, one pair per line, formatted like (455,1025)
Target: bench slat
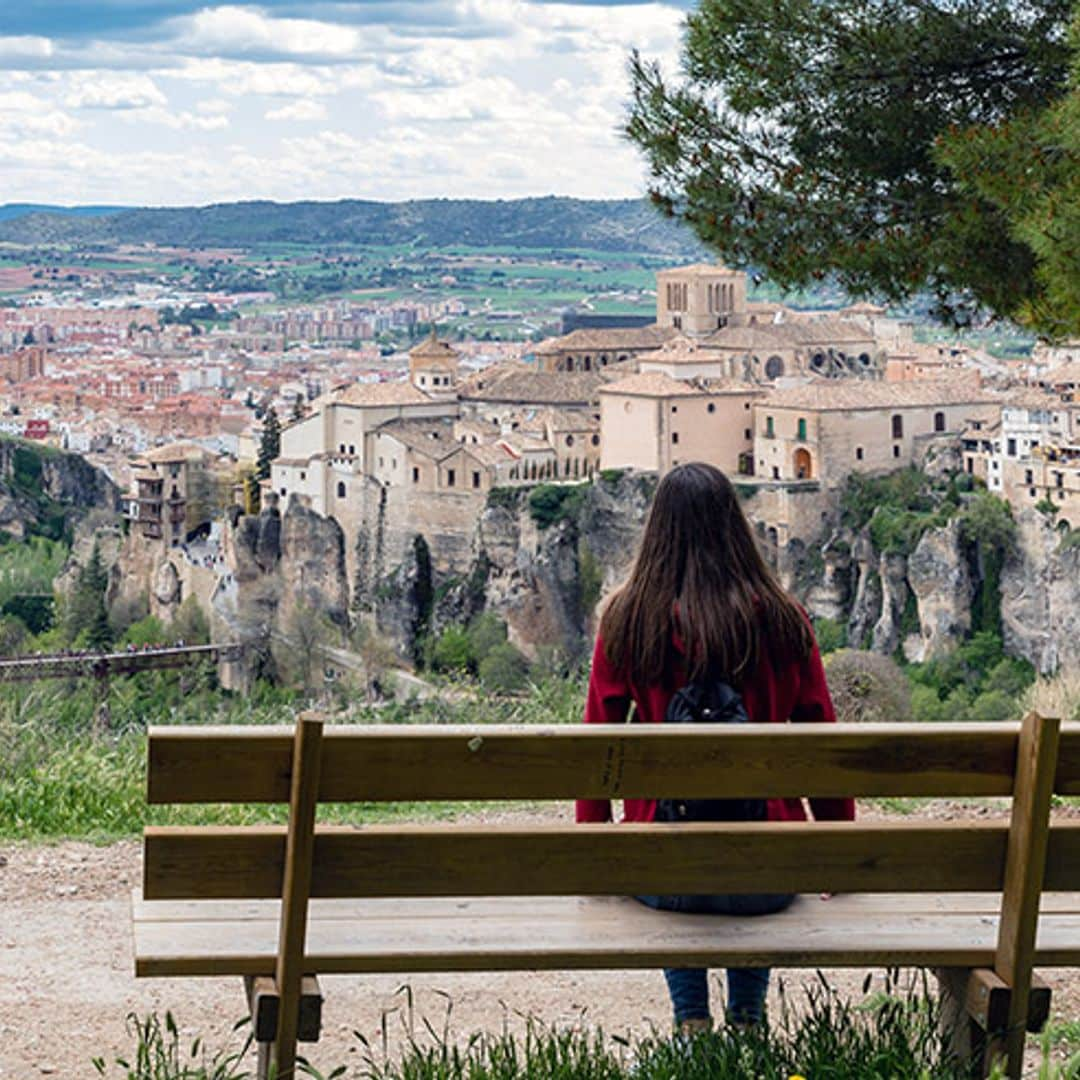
(419,762)
(462,935)
(246,863)
(193,911)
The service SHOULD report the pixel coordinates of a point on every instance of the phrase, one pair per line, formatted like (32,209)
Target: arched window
(341,489)
(939,421)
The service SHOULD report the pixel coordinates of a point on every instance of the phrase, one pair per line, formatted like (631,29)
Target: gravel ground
(67,984)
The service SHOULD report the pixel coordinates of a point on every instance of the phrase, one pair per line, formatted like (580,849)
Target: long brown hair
(699,574)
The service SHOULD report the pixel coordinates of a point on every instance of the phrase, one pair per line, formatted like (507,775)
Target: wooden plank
(264,1003)
(585,933)
(984,996)
(246,863)
(1067,774)
(844,906)
(300,845)
(417,762)
(1025,871)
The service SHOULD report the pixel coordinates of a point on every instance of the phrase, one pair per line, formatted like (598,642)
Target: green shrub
(831,635)
(551,503)
(504,669)
(993,706)
(452,651)
(485,632)
(867,687)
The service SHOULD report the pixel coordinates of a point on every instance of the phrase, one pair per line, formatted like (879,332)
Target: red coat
(797,693)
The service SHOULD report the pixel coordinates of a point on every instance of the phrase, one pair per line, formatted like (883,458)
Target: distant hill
(552,222)
(18,210)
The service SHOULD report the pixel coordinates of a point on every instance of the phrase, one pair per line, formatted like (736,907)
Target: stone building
(823,432)
(593,350)
(177,488)
(705,306)
(654,422)
(700,299)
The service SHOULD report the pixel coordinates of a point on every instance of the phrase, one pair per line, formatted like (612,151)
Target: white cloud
(179,120)
(479,98)
(239,31)
(113,90)
(23,113)
(25,48)
(299,110)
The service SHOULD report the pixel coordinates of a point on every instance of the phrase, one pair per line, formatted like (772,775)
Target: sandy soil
(67,985)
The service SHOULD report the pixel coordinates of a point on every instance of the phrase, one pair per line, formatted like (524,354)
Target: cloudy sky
(168,102)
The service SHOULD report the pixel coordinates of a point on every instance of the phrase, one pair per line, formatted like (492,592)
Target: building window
(450,477)
(674,408)
(1028,477)
(939,421)
(341,489)
(352,449)
(775,473)
(674,436)
(896,451)
(801,434)
(569,440)
(711,407)
(1059,479)
(475,479)
(897,429)
(595,440)
(303,476)
(283,492)
(416,475)
(747,433)
(341,448)
(858,453)
(1012,448)
(770,431)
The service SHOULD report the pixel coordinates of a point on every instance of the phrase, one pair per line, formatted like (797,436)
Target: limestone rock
(940,577)
(866,604)
(1040,597)
(892,572)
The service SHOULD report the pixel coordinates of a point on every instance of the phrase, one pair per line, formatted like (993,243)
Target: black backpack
(708,701)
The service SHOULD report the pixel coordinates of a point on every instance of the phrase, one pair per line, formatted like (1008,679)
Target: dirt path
(66,982)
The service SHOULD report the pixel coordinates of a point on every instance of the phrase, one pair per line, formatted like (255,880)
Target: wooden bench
(279,905)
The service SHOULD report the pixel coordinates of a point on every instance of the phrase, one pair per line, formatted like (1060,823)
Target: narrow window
(341,489)
(1012,448)
(896,451)
(475,479)
(858,453)
(802,429)
(897,429)
(769,430)
(415,475)
(450,477)
(674,436)
(939,421)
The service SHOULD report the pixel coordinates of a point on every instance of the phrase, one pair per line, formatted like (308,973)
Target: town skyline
(178,103)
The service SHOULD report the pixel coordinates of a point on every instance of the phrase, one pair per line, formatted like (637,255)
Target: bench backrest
(423,763)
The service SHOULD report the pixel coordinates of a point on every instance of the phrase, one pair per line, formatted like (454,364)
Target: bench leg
(975,1004)
(266,1054)
(265,1005)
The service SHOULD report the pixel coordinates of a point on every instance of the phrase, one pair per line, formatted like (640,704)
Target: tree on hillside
(269,445)
(87,617)
(820,139)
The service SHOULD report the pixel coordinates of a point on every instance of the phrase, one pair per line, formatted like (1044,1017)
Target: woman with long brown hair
(701,604)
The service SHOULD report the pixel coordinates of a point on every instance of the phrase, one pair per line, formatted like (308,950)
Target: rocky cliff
(45,492)
(1040,597)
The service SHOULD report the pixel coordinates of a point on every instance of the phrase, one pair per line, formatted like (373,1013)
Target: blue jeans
(746,987)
